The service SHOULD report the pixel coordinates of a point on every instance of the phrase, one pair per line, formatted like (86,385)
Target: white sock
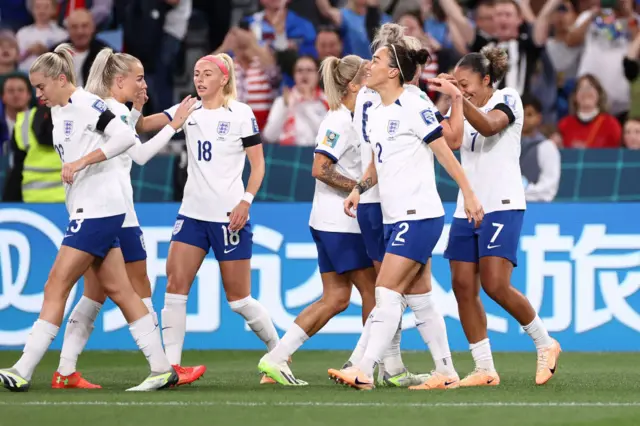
(430,324)
(538,332)
(39,340)
(76,334)
(258,320)
(481,353)
(149,304)
(147,336)
(290,342)
(389,306)
(174,326)
(392,359)
(358,352)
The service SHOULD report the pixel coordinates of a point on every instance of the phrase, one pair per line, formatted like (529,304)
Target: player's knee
(463,289)
(177,283)
(56,290)
(496,287)
(338,302)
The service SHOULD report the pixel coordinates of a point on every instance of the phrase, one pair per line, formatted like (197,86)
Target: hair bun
(420,56)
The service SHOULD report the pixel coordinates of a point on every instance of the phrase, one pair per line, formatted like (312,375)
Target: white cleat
(157,381)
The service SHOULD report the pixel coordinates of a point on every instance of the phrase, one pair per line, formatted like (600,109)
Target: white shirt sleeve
(332,139)
(249,124)
(550,170)
(276,120)
(141,153)
(425,123)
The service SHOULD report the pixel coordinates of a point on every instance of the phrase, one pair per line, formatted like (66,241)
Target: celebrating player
(491,158)
(342,256)
(391,370)
(214,213)
(118,78)
(97,206)
(405,133)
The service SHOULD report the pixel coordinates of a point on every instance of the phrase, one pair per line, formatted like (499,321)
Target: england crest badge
(223,127)
(392,127)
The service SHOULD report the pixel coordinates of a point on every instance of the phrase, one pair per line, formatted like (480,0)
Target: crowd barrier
(579,264)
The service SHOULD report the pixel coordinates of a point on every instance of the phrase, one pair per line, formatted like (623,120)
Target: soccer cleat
(438,381)
(353,377)
(157,381)
(547,362)
(480,377)
(188,375)
(279,372)
(13,381)
(266,380)
(72,381)
(403,379)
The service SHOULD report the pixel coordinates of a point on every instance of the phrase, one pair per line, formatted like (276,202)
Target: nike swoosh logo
(396,245)
(490,381)
(492,247)
(229,251)
(358,382)
(449,383)
(191,124)
(68,235)
(166,328)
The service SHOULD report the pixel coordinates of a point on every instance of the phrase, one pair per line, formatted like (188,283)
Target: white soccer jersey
(364,101)
(77,131)
(216,153)
(492,164)
(338,140)
(123,113)
(400,134)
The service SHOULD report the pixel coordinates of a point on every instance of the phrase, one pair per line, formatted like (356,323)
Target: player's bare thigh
(236,278)
(137,273)
(183,263)
(397,273)
(422,282)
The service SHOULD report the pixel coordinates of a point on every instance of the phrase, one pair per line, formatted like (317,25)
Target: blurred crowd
(573,61)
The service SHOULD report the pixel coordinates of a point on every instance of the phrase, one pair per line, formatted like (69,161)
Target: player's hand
(473,209)
(446,87)
(140,99)
(351,203)
(183,112)
(70,169)
(239,216)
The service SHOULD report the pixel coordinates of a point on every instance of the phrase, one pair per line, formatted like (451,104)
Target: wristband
(248,197)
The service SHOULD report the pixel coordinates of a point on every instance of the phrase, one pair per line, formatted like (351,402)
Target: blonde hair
(229,91)
(104,70)
(56,63)
(387,34)
(336,76)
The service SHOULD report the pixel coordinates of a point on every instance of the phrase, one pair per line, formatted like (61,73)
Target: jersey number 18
(204,151)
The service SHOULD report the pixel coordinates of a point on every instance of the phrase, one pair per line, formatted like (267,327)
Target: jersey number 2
(379,148)
(204,151)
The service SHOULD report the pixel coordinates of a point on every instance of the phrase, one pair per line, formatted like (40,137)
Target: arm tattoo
(364,185)
(331,177)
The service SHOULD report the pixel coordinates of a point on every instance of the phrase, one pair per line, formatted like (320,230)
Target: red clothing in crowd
(604,131)
(72,5)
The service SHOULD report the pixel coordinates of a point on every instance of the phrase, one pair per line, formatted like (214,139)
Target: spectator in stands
(605,35)
(257,75)
(462,31)
(435,23)
(539,156)
(100,10)
(589,125)
(296,115)
(85,46)
(9,54)
(329,43)
(351,21)
(16,96)
(295,32)
(160,79)
(631,62)
(631,137)
(41,36)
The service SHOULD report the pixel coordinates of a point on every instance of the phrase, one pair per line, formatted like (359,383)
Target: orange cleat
(480,377)
(353,377)
(266,380)
(72,381)
(547,362)
(438,381)
(188,375)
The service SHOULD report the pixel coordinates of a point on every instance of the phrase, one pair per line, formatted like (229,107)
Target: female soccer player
(342,256)
(118,78)
(405,133)
(220,133)
(391,371)
(490,157)
(82,123)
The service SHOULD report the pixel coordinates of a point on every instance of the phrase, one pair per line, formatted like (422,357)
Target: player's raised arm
(453,124)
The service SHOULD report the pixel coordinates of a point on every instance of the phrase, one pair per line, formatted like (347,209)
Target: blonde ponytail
(56,63)
(229,91)
(336,76)
(105,68)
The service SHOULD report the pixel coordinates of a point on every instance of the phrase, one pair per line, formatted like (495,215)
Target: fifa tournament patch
(99,106)
(428,117)
(511,102)
(330,139)
(125,119)
(254,125)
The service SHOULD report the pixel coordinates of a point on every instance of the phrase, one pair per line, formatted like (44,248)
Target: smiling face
(133,83)
(473,86)
(208,79)
(378,70)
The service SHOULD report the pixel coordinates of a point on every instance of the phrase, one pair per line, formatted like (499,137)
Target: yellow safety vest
(41,182)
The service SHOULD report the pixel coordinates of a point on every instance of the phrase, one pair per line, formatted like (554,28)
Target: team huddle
(376,214)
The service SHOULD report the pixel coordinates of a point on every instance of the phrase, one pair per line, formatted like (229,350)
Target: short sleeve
(511,105)
(425,123)
(249,124)
(98,114)
(171,112)
(332,139)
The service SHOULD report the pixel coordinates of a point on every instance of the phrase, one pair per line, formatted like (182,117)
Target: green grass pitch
(589,389)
